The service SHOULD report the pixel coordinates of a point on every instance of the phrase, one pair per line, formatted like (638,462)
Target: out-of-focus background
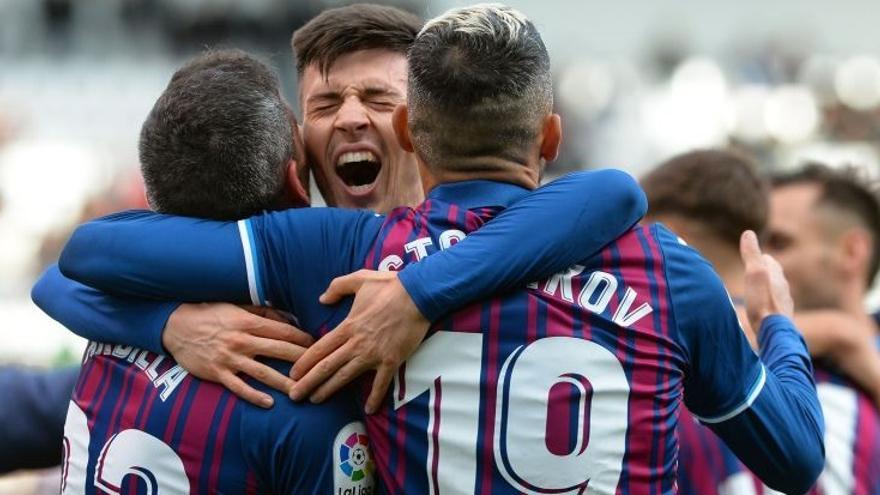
(636,81)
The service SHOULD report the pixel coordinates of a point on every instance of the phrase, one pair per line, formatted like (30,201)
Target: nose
(352,117)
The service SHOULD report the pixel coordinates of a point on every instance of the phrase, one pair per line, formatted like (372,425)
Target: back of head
(717,190)
(479,87)
(848,196)
(343,30)
(219,139)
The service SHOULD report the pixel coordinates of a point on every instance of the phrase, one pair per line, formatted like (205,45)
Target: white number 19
(448,366)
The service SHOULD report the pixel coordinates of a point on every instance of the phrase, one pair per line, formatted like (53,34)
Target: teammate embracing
(571,385)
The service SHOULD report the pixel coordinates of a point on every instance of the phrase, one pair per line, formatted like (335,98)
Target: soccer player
(709,197)
(214,146)
(571,384)
(824,227)
(218,143)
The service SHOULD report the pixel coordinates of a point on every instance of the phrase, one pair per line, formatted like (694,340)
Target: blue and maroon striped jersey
(852,442)
(574,383)
(139,423)
(571,384)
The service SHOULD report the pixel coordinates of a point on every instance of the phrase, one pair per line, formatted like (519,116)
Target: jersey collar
(478,193)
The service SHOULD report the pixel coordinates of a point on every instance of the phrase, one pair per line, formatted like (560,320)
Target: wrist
(171,340)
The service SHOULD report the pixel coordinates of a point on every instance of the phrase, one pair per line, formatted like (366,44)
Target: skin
(802,244)
(351,110)
(825,255)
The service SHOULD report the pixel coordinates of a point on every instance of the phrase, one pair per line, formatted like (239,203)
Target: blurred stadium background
(636,82)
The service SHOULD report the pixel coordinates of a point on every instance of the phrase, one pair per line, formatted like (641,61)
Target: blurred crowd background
(636,82)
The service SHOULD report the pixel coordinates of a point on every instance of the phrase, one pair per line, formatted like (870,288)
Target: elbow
(628,195)
(39,292)
(76,256)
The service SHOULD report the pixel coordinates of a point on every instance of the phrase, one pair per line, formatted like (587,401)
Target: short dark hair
(343,30)
(218,140)
(720,189)
(847,189)
(479,85)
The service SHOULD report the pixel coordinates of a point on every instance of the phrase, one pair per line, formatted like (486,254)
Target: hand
(767,290)
(848,342)
(382,331)
(217,341)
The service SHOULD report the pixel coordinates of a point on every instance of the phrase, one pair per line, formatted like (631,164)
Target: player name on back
(595,296)
(165,378)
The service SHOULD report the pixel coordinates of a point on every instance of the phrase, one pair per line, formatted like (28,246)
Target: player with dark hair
(571,384)
(351,63)
(709,197)
(824,228)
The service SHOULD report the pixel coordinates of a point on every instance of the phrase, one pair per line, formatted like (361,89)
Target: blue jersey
(648,311)
(139,423)
(852,436)
(138,322)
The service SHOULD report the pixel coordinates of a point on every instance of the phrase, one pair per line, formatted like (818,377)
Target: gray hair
(479,85)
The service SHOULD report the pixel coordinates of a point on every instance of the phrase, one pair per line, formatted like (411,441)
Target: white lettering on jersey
(597,293)
(391,263)
(419,247)
(563,280)
(451,237)
(168,381)
(623,317)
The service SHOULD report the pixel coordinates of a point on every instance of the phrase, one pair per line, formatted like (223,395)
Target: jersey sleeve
(150,255)
(95,315)
(307,448)
(32,416)
(765,408)
(575,217)
(292,256)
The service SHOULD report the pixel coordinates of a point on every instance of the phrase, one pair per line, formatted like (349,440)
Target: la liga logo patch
(355,456)
(354,463)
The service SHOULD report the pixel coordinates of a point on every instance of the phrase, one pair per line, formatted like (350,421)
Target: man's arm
(97,316)
(848,342)
(766,408)
(226,339)
(561,223)
(283,257)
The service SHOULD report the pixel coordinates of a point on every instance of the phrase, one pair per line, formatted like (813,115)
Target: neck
(498,170)
(852,300)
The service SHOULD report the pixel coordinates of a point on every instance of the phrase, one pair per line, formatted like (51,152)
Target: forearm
(558,225)
(97,316)
(148,255)
(780,435)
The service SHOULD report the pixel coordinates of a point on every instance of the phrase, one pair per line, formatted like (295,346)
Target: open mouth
(358,170)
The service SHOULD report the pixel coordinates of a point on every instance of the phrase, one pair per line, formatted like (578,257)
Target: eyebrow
(368,90)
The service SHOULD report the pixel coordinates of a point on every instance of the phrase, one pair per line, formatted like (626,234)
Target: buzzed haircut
(479,86)
(845,189)
(720,189)
(218,140)
(340,31)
